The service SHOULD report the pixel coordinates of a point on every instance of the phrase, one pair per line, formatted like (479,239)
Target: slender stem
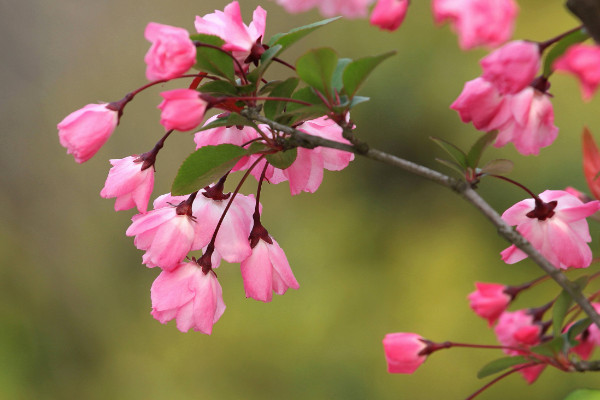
(544,45)
(279,60)
(258,190)
(267,98)
(516,184)
(158,82)
(301,139)
(504,375)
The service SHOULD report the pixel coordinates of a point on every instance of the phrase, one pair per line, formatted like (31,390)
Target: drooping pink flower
(530,374)
(129,184)
(267,270)
(481,103)
(517,329)
(84,131)
(329,8)
(594,331)
(402,352)
(583,61)
(182,109)
(389,14)
(172,52)
(489,301)
(478,22)
(591,162)
(167,235)
(561,237)
(228,25)
(186,294)
(512,67)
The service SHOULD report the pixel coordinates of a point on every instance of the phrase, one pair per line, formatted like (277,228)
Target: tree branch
(301,139)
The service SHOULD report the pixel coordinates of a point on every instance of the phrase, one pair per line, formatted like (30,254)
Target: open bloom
(481,103)
(489,301)
(402,352)
(583,61)
(389,14)
(182,109)
(172,52)
(329,8)
(561,237)
(517,329)
(478,22)
(129,184)
(267,270)
(186,294)
(84,131)
(512,67)
(228,25)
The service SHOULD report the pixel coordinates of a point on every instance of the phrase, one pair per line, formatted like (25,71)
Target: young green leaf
(358,70)
(211,60)
(559,48)
(559,311)
(283,89)
(575,329)
(452,165)
(283,159)
(316,69)
(219,88)
(550,348)
(233,119)
(478,147)
(499,166)
(205,166)
(500,365)
(584,394)
(291,37)
(337,80)
(457,154)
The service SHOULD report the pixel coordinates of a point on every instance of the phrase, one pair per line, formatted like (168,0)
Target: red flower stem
(200,75)
(237,63)
(535,197)
(279,60)
(448,345)
(504,375)
(260,181)
(544,45)
(222,99)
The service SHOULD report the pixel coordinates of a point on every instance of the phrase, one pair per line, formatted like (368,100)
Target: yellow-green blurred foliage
(375,250)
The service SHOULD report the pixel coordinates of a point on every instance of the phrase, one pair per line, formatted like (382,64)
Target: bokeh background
(375,250)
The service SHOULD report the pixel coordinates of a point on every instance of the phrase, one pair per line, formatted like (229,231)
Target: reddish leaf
(591,162)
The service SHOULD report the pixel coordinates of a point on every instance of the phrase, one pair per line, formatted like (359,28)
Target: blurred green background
(375,250)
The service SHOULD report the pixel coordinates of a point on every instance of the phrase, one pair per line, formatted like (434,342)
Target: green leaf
(457,154)
(291,37)
(283,89)
(316,69)
(205,166)
(212,60)
(257,147)
(357,71)
(561,46)
(219,88)
(337,80)
(577,328)
(233,119)
(550,348)
(584,394)
(265,60)
(480,145)
(267,87)
(356,100)
(452,165)
(499,166)
(500,365)
(559,311)
(282,159)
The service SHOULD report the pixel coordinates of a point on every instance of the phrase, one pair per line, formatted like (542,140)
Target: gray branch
(301,139)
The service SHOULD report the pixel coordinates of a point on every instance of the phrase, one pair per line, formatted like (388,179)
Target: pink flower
(594,331)
(512,67)
(591,162)
(167,235)
(266,271)
(329,8)
(389,14)
(402,352)
(182,109)
(584,62)
(478,22)
(172,52)
(129,184)
(517,329)
(84,131)
(186,294)
(481,103)
(561,237)
(489,301)
(228,25)
(530,374)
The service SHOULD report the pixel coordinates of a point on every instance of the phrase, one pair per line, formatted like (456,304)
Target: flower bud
(402,352)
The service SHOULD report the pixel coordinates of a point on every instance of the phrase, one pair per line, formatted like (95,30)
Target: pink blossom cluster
(508,98)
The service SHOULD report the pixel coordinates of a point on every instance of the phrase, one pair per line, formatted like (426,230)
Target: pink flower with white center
(481,103)
(167,235)
(583,61)
(188,295)
(402,352)
(489,301)
(512,67)
(84,131)
(329,8)
(182,109)
(478,22)
(232,239)
(267,270)
(172,52)
(228,25)
(389,14)
(131,185)
(517,329)
(560,232)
